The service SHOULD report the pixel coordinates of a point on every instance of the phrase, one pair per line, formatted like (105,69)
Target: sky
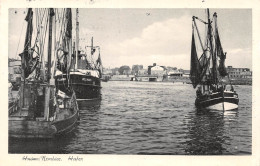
(146,36)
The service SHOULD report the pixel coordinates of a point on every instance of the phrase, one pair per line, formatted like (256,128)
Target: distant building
(169,68)
(143,72)
(239,72)
(175,73)
(186,73)
(157,70)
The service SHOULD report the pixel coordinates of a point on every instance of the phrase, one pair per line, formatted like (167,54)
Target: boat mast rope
(16,55)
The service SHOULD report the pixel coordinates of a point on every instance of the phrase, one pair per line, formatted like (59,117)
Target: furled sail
(195,67)
(219,51)
(29,63)
(69,23)
(99,65)
(64,59)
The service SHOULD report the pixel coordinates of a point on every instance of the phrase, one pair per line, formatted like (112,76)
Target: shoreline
(184,82)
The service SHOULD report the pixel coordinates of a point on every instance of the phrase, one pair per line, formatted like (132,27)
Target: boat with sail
(208,70)
(85,73)
(40,110)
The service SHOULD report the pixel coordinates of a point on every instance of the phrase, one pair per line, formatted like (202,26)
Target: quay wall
(236,81)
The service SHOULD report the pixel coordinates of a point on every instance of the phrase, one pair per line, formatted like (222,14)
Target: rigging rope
(43,41)
(200,20)
(19,41)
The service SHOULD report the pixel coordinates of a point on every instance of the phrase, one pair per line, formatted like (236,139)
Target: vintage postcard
(130,83)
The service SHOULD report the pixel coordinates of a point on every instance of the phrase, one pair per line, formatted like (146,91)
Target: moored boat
(40,110)
(34,120)
(208,71)
(85,77)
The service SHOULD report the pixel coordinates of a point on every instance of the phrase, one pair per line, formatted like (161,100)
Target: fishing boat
(40,110)
(208,70)
(85,76)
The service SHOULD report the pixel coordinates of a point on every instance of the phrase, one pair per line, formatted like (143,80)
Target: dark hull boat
(86,87)
(208,70)
(84,76)
(226,100)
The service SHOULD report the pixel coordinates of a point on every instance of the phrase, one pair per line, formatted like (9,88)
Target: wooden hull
(31,121)
(86,87)
(218,101)
(67,125)
(22,127)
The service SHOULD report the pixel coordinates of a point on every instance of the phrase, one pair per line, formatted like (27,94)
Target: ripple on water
(152,118)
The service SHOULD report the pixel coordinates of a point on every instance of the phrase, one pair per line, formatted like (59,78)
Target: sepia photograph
(135,81)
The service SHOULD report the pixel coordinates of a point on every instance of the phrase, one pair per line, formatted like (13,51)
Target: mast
(77,39)
(214,60)
(69,30)
(47,89)
(193,18)
(73,48)
(51,14)
(92,51)
(52,80)
(42,41)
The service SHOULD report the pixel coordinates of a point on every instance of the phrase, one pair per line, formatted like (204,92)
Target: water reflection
(231,114)
(205,133)
(86,135)
(89,104)
(56,145)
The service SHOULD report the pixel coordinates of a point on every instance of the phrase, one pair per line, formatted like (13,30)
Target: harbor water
(151,118)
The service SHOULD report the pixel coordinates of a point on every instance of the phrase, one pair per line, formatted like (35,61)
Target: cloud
(239,57)
(166,43)
(161,41)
